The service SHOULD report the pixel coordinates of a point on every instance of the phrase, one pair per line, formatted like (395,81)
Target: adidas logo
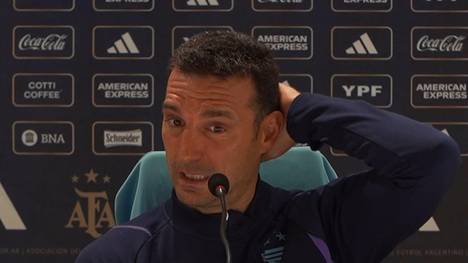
(124,45)
(202,3)
(363,46)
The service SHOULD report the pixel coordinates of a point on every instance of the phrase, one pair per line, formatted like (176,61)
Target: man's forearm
(378,137)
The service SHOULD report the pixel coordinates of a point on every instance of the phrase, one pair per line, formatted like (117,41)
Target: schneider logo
(439,43)
(362,43)
(181,34)
(439,6)
(124,5)
(123,42)
(43,138)
(286,42)
(122,138)
(43,42)
(43,90)
(439,91)
(375,89)
(123,90)
(282,5)
(362,5)
(203,5)
(45,6)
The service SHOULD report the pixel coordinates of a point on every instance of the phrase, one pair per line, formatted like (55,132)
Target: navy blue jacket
(355,219)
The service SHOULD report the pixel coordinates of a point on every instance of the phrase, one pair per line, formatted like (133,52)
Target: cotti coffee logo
(123,5)
(375,89)
(203,5)
(286,42)
(457,131)
(439,43)
(362,43)
(43,42)
(9,216)
(122,138)
(181,34)
(301,82)
(92,211)
(439,91)
(123,42)
(45,6)
(43,90)
(123,90)
(43,138)
(439,6)
(282,5)
(362,5)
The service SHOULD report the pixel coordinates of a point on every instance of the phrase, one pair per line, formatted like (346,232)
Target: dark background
(43,187)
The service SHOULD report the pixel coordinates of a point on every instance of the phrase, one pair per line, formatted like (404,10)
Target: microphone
(218,184)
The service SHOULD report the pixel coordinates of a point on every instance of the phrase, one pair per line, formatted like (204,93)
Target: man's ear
(269,130)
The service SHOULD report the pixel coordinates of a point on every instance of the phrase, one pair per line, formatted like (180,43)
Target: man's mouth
(195,177)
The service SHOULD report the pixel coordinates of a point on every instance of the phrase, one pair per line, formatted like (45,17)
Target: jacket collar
(240,225)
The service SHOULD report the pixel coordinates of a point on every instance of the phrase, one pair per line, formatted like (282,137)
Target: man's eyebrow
(213,113)
(170,106)
(210,113)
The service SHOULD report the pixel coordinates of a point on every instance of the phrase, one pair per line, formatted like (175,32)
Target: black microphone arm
(219,187)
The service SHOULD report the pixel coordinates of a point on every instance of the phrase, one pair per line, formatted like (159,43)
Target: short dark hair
(229,53)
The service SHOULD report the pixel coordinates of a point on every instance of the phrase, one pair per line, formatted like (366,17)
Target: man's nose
(191,146)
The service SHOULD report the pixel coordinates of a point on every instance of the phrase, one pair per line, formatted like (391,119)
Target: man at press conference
(224,112)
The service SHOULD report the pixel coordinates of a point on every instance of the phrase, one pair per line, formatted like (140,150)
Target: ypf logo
(282,5)
(92,211)
(439,6)
(181,34)
(439,43)
(375,89)
(202,5)
(43,138)
(123,42)
(43,42)
(362,43)
(289,42)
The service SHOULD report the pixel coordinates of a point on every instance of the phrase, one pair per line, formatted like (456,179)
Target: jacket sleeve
(365,215)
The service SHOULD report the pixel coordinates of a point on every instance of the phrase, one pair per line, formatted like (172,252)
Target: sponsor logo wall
(81,86)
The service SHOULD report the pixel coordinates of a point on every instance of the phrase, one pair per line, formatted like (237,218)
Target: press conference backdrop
(81,86)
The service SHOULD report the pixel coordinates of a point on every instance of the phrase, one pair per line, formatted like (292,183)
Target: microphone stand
(224,218)
(218,184)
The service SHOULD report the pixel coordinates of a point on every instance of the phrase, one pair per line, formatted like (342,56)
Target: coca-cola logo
(51,42)
(450,43)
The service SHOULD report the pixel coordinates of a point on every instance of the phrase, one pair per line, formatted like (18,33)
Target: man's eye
(216,129)
(174,122)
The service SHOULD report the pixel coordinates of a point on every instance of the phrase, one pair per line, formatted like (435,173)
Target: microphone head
(216,180)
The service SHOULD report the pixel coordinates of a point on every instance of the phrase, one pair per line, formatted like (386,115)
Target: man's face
(208,127)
